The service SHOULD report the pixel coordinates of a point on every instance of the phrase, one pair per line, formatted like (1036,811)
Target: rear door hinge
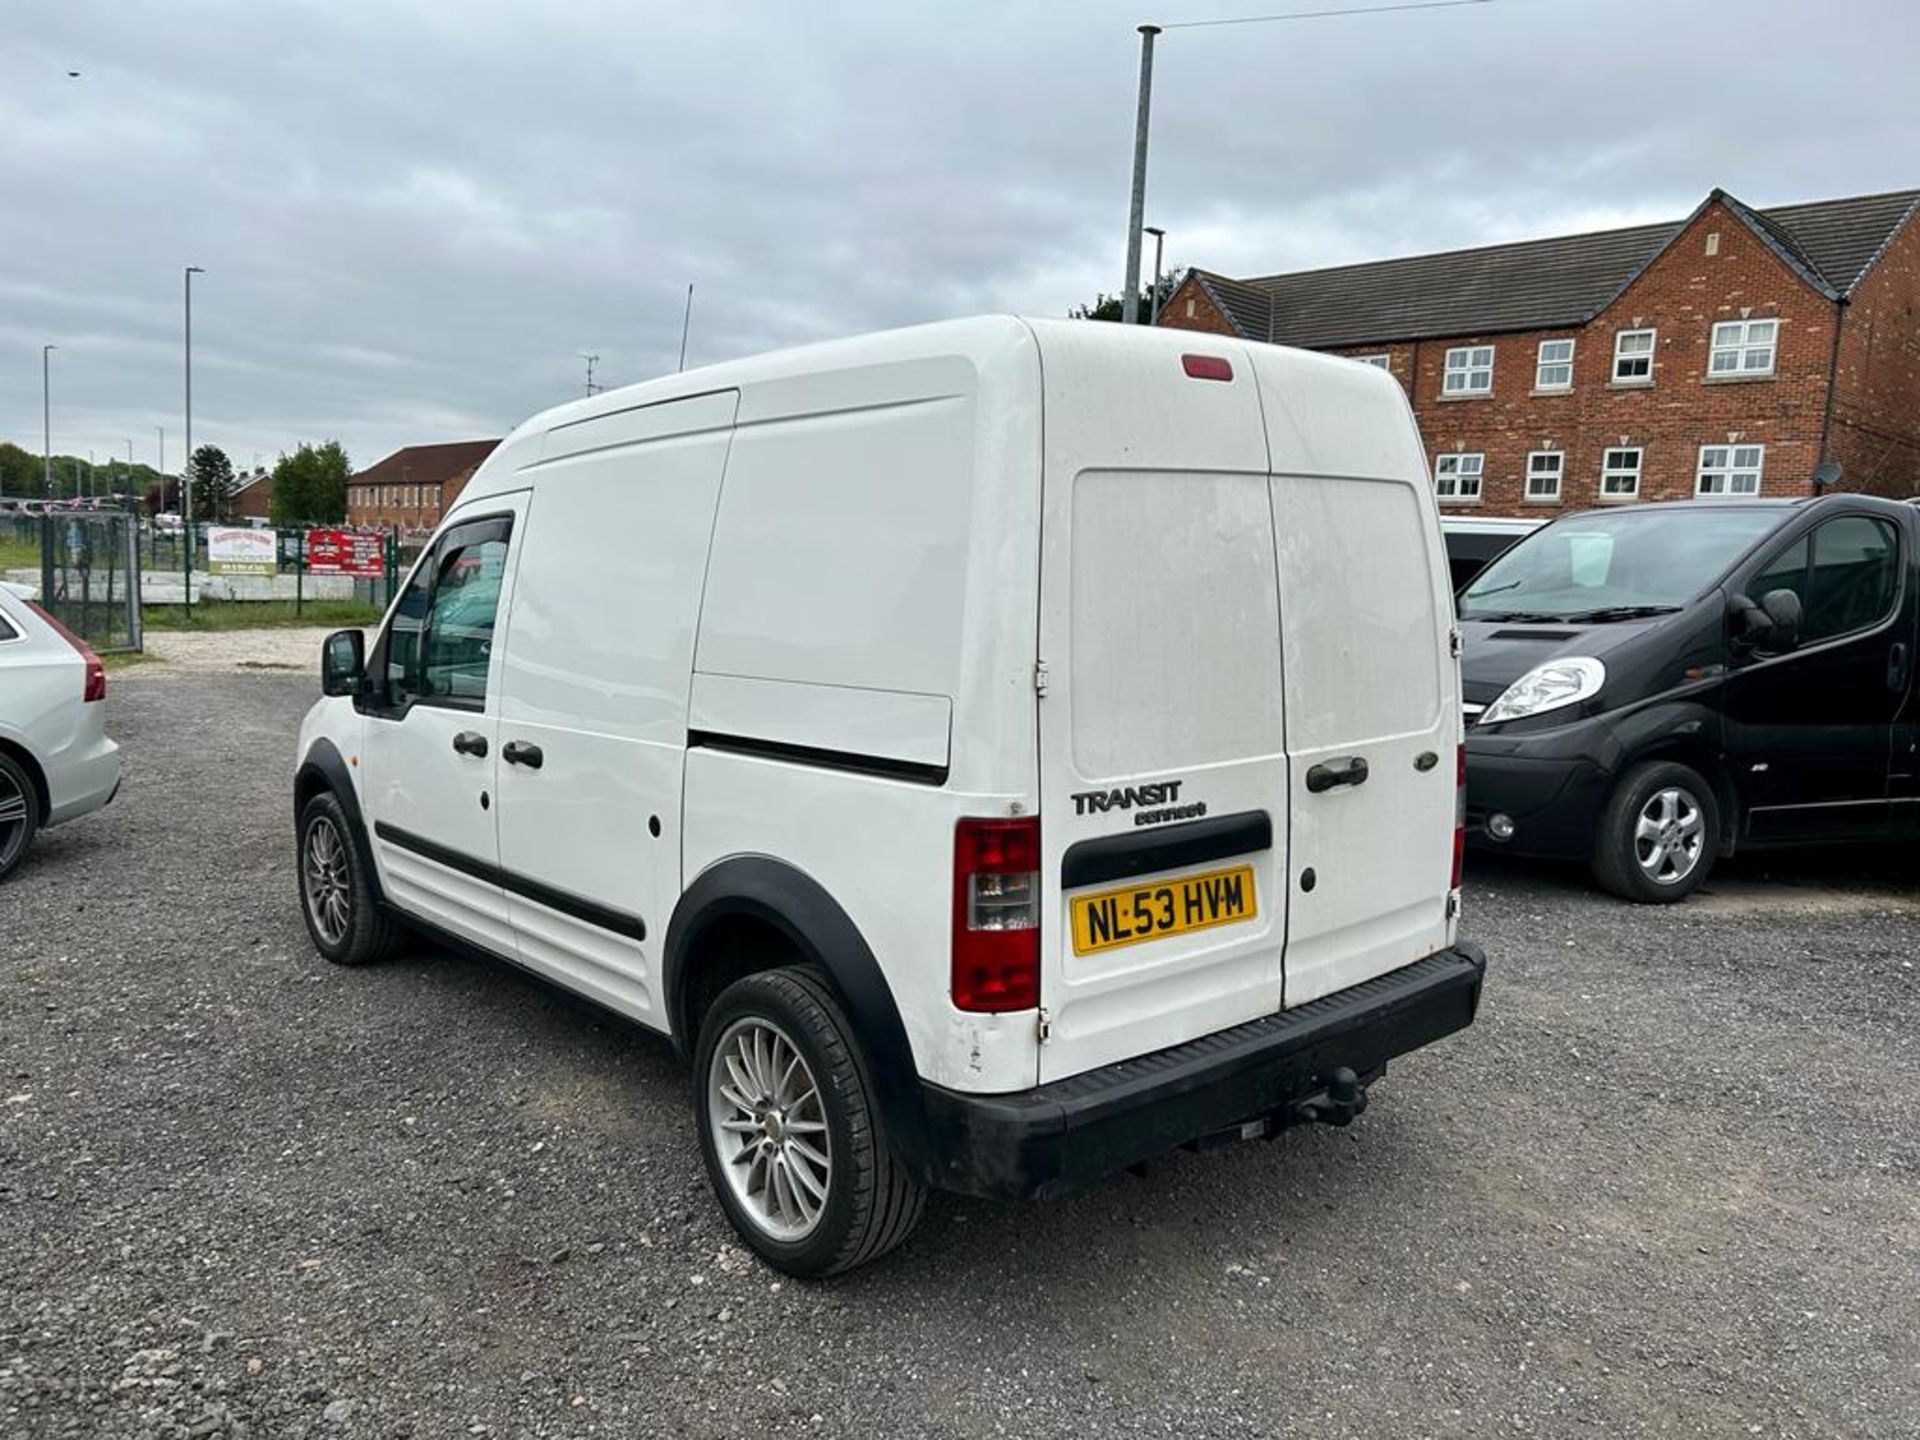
(1454,645)
(1040,677)
(1044,1026)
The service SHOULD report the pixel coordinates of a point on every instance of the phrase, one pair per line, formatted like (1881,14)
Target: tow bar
(1344,1098)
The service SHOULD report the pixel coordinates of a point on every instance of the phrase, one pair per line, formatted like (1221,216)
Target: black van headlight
(1547,687)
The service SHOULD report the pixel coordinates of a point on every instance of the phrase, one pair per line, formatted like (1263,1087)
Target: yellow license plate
(1168,907)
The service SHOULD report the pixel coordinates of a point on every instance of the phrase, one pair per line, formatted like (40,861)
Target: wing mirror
(1773,624)
(343,663)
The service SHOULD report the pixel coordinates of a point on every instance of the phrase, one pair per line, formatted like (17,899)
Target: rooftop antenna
(685,321)
(592,360)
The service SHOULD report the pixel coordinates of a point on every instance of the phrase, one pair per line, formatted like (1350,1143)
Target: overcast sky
(413,216)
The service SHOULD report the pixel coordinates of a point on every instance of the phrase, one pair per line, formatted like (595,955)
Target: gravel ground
(289,648)
(1668,1185)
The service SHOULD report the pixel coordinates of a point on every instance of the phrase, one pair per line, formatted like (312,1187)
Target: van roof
(982,340)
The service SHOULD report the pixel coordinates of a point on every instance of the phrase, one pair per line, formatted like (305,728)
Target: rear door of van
(1249,731)
(1163,764)
(1373,725)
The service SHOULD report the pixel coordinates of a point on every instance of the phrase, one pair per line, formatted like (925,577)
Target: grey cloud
(413,216)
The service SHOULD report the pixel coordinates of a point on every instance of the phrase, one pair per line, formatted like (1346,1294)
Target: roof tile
(1533,284)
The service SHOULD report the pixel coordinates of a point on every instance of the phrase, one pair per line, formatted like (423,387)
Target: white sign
(234,551)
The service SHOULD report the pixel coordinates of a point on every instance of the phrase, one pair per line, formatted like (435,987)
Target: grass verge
(258,615)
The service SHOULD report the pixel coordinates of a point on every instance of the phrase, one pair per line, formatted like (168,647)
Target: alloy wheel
(769,1128)
(324,879)
(1669,836)
(15,817)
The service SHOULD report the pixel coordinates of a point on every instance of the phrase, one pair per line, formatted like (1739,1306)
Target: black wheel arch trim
(800,908)
(323,761)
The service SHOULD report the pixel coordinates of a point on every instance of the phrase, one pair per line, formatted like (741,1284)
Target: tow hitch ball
(1344,1098)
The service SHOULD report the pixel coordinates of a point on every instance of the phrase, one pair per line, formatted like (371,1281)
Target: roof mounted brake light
(1206,367)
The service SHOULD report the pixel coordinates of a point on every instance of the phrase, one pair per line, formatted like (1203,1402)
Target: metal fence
(90,575)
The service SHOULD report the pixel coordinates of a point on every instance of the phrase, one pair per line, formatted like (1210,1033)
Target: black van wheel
(1659,835)
(347,925)
(791,1131)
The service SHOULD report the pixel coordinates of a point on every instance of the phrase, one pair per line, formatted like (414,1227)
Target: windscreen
(1651,557)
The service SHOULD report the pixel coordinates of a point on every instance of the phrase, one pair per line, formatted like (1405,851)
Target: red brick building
(1730,353)
(413,488)
(253,494)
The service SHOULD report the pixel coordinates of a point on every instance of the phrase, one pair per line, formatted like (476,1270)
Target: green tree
(20,474)
(1107,307)
(23,475)
(213,484)
(310,485)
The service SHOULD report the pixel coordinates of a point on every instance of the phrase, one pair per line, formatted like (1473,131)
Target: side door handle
(1330,774)
(470,742)
(1897,668)
(519,752)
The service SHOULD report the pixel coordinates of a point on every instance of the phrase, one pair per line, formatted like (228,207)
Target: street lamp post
(186,470)
(1159,239)
(1130,297)
(46,418)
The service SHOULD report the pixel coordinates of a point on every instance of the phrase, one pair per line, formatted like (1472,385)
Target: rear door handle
(1897,669)
(1330,774)
(469,742)
(519,752)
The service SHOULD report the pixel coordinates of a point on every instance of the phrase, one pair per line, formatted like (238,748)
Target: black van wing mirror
(1782,608)
(1772,623)
(343,663)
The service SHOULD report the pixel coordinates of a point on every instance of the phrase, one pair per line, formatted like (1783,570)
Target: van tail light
(1459,818)
(996,915)
(96,682)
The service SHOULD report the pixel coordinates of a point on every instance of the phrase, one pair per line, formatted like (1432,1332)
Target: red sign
(346,552)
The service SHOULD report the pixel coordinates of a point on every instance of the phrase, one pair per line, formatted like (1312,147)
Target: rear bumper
(83,780)
(1041,1141)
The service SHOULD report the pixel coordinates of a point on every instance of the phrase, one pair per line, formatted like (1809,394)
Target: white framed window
(1469,371)
(1379,362)
(1544,469)
(1743,347)
(1620,473)
(1730,469)
(1457,476)
(1633,357)
(1553,367)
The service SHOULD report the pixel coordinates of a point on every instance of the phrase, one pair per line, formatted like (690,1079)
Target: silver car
(56,762)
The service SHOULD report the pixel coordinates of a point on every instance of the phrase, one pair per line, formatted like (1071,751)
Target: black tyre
(1659,835)
(19,814)
(347,924)
(791,1130)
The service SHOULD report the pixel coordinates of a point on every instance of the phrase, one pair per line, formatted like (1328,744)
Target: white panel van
(995,753)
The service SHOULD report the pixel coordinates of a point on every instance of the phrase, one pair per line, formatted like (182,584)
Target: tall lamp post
(1130,296)
(1159,240)
(46,419)
(186,470)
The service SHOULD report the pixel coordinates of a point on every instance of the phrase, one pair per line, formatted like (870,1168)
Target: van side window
(403,636)
(459,637)
(1786,571)
(1846,573)
(441,640)
(1854,577)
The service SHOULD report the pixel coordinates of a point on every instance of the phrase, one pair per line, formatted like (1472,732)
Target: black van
(1651,686)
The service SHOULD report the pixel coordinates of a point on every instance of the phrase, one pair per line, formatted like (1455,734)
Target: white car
(995,753)
(56,762)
